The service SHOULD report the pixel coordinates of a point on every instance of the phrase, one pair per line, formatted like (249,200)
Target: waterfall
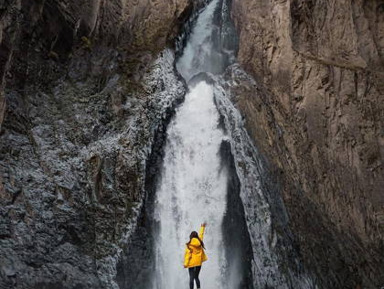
(212,43)
(213,173)
(192,190)
(193,184)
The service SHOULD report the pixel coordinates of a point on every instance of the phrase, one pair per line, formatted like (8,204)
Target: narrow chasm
(191,176)
(137,261)
(236,237)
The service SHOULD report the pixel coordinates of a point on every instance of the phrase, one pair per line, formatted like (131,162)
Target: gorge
(125,124)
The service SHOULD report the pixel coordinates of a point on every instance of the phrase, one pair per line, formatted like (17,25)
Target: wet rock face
(85,86)
(32,32)
(73,168)
(317,114)
(240,255)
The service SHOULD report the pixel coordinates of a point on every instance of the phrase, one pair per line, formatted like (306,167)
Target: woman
(195,256)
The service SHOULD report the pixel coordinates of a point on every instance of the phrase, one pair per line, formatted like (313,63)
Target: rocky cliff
(57,30)
(86,86)
(86,90)
(316,113)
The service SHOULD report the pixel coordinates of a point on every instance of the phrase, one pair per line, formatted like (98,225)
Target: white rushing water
(192,190)
(193,185)
(194,178)
(200,54)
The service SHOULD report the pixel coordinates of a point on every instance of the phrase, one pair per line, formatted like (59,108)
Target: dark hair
(195,235)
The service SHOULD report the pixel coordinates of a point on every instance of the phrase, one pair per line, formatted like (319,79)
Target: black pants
(194,275)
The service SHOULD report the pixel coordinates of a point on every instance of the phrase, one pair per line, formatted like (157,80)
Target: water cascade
(212,172)
(194,180)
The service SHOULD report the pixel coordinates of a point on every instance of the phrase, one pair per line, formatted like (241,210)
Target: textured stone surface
(86,86)
(317,114)
(55,30)
(82,103)
(73,165)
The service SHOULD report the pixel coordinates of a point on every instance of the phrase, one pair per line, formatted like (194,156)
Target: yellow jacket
(194,252)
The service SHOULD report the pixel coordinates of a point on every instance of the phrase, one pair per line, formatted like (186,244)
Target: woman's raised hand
(204,224)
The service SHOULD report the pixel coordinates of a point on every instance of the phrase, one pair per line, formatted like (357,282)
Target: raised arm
(202,229)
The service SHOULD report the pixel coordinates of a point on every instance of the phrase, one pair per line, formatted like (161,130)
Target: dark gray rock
(83,104)
(74,175)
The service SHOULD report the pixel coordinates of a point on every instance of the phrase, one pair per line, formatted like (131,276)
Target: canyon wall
(56,30)
(316,112)
(85,88)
